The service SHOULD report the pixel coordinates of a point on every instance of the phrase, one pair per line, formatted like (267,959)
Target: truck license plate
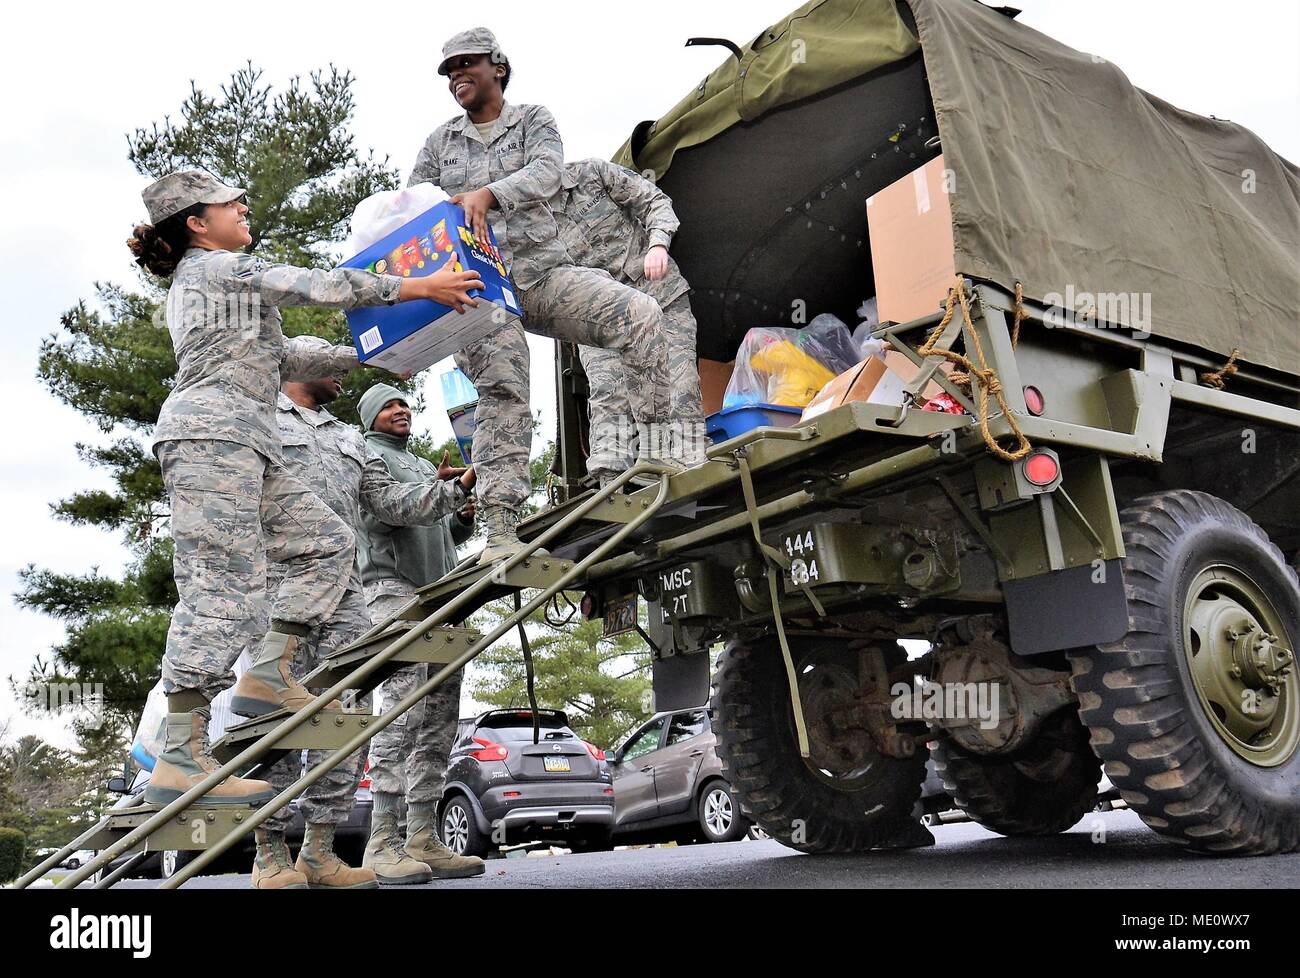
(620,616)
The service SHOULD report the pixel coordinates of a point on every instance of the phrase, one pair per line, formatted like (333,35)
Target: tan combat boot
(422,843)
(185,762)
(269,684)
(272,869)
(384,854)
(502,538)
(326,871)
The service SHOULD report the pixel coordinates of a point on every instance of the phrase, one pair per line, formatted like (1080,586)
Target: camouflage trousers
(613,430)
(409,756)
(232,510)
(329,800)
(578,305)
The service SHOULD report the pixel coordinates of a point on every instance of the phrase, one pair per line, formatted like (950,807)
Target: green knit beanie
(373,401)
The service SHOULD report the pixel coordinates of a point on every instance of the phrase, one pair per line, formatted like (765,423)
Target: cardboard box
(874,380)
(714,378)
(415,335)
(909,225)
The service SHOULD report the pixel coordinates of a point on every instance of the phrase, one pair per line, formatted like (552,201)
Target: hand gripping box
(415,335)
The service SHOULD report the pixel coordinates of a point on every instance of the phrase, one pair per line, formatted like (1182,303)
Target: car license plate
(556,765)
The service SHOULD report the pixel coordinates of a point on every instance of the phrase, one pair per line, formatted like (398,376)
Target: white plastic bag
(149,735)
(385,212)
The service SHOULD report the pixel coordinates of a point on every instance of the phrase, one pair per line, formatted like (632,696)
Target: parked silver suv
(668,782)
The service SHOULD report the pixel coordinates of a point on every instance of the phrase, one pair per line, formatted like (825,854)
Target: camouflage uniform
(332,459)
(609,219)
(410,755)
(521,161)
(219,448)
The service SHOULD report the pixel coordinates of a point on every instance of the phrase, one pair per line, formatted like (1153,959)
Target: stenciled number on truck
(677,580)
(801,571)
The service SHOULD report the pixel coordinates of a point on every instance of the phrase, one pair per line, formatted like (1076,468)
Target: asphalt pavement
(1105,850)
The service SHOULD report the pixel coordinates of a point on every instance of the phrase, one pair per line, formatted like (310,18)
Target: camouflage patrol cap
(173,193)
(476,40)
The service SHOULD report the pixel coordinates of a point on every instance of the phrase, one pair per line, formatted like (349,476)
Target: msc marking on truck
(680,580)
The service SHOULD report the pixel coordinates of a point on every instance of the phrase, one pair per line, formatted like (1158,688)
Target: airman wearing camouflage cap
(476,40)
(185,188)
(503,164)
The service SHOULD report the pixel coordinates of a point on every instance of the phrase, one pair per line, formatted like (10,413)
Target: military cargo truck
(1097,547)
(1102,543)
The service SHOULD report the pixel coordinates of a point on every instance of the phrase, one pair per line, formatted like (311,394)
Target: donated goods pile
(784,375)
(409,233)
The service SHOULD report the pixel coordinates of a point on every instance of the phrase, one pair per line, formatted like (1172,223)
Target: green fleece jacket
(417,555)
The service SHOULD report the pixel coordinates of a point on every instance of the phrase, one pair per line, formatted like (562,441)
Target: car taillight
(1034,401)
(594,751)
(512,794)
(489,751)
(609,791)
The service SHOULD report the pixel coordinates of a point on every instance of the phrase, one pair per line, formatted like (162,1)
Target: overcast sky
(76,77)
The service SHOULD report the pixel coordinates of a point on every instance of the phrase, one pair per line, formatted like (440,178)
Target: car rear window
(504,729)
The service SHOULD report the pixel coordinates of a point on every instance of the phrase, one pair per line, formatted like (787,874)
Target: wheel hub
(1242,670)
(839,748)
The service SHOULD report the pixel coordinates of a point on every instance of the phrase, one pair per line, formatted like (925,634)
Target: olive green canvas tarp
(1065,177)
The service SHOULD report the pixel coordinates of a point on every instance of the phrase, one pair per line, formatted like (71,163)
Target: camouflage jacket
(610,217)
(521,163)
(331,458)
(230,351)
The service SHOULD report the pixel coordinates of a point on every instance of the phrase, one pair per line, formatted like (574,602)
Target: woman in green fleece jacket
(409,757)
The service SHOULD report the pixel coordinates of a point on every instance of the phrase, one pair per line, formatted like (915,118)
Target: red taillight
(609,791)
(489,752)
(1034,401)
(512,794)
(594,751)
(1042,469)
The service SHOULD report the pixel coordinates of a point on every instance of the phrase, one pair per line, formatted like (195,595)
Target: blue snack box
(415,335)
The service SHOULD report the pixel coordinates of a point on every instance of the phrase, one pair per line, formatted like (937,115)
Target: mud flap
(1067,609)
(681,681)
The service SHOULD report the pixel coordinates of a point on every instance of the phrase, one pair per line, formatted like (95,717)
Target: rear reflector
(1034,401)
(1041,469)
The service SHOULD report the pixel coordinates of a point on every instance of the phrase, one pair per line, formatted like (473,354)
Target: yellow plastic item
(794,378)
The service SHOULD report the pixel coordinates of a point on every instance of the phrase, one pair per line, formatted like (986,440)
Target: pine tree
(111,359)
(602,684)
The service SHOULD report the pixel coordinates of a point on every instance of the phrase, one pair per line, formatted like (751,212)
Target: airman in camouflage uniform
(331,458)
(233,504)
(517,157)
(408,757)
(610,218)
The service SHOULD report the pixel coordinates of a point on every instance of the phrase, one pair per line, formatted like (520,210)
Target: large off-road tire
(845,798)
(1042,789)
(1196,713)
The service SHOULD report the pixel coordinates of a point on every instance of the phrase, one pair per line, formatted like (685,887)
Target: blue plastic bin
(730,422)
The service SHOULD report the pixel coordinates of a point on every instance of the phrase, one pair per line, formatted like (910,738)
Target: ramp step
(535,572)
(194,828)
(439,646)
(326,730)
